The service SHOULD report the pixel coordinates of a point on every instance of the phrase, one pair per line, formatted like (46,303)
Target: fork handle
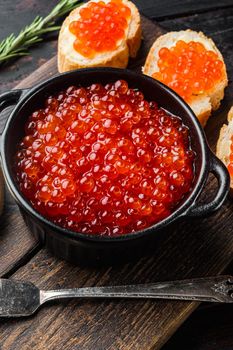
(211,289)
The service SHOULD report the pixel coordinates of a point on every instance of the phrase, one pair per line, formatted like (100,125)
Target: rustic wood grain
(159,10)
(207,329)
(189,251)
(14,15)
(196,248)
(16,242)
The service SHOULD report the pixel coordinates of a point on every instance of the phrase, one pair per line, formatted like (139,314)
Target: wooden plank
(16,242)
(208,329)
(195,248)
(218,24)
(192,250)
(159,10)
(14,15)
(21,12)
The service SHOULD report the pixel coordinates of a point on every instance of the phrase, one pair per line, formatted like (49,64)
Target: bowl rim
(179,212)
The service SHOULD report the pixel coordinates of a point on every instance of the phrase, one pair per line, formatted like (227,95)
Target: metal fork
(24,298)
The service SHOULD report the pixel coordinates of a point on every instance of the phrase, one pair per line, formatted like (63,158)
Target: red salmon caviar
(103,160)
(189,68)
(101,27)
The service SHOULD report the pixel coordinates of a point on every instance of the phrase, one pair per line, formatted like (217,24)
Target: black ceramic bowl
(77,247)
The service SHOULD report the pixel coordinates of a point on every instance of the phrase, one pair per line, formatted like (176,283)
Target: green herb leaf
(17,46)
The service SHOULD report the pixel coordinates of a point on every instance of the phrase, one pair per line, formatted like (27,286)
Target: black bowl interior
(152,90)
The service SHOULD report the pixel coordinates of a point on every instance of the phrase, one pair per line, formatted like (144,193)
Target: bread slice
(223,149)
(202,104)
(69,59)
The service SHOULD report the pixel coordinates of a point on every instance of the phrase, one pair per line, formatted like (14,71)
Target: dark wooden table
(210,327)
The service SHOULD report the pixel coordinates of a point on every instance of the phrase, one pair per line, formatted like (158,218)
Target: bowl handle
(11,97)
(219,170)
(6,99)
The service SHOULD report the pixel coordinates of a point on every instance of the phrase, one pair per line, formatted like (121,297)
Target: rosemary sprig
(16,46)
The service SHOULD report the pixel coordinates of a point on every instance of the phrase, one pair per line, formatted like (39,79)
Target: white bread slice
(203,104)
(223,149)
(69,59)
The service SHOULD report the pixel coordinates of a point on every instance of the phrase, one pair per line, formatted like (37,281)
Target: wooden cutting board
(195,248)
